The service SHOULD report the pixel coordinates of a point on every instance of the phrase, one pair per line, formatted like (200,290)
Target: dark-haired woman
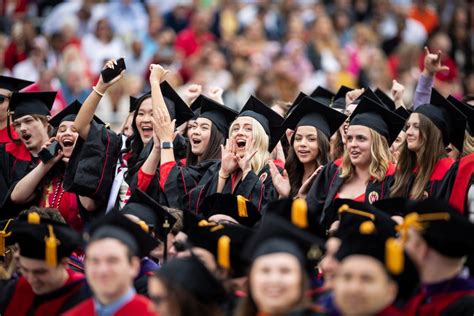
(313,123)
(207,134)
(424,169)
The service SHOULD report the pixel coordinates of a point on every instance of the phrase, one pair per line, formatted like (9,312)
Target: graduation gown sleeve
(91,168)
(139,305)
(464,179)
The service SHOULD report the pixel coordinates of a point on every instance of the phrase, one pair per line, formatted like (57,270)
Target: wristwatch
(166,145)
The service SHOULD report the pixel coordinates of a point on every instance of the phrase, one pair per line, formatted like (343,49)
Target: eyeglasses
(3,98)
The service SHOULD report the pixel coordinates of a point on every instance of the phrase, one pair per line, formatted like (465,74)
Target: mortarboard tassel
(346,208)
(34,218)
(51,257)
(242,206)
(143,226)
(299,213)
(3,235)
(394,257)
(223,252)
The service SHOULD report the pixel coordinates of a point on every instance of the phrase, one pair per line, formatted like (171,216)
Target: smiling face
(242,131)
(66,137)
(143,120)
(413,135)
(363,287)
(276,282)
(200,135)
(33,132)
(306,144)
(358,144)
(42,278)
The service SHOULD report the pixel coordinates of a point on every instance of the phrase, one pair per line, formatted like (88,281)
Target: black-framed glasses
(3,98)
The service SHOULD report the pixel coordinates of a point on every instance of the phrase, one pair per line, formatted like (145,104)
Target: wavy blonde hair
(380,154)
(468,146)
(262,142)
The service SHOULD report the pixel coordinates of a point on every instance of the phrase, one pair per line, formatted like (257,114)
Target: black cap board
(277,235)
(401,111)
(44,239)
(133,104)
(220,115)
(372,115)
(151,212)
(467,110)
(13,84)
(323,95)
(69,114)
(449,120)
(30,103)
(340,98)
(313,113)
(298,99)
(235,206)
(116,226)
(270,120)
(386,100)
(179,110)
(191,275)
(442,227)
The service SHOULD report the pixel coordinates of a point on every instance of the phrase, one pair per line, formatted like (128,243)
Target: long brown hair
(295,168)
(380,159)
(431,151)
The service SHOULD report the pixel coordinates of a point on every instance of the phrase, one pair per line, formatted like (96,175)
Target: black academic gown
(327,184)
(258,189)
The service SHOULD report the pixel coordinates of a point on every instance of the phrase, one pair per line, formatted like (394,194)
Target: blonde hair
(261,145)
(379,163)
(468,146)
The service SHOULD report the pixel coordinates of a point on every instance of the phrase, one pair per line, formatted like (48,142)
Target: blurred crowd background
(272,49)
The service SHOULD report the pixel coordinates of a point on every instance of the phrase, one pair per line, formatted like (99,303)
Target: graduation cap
(13,84)
(393,206)
(224,241)
(449,120)
(401,111)
(441,226)
(270,120)
(297,213)
(323,95)
(69,114)
(220,115)
(30,103)
(44,239)
(353,215)
(372,115)
(467,110)
(313,113)
(386,100)
(235,206)
(5,234)
(277,235)
(298,99)
(340,98)
(151,212)
(115,225)
(133,104)
(191,275)
(177,108)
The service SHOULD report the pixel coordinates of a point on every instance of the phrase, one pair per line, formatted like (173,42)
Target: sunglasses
(3,98)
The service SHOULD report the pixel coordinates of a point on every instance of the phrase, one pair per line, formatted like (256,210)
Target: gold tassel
(299,213)
(3,235)
(367,228)
(34,218)
(242,206)
(346,208)
(51,257)
(143,226)
(394,257)
(223,252)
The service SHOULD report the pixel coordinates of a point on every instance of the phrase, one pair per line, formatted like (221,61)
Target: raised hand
(157,73)
(244,162)
(215,93)
(281,182)
(397,92)
(192,92)
(303,191)
(163,126)
(432,63)
(101,86)
(228,158)
(352,95)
